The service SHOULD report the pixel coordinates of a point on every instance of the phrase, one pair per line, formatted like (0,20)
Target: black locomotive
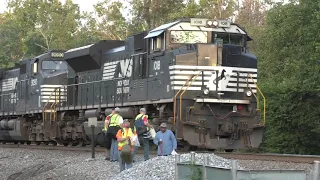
(194,74)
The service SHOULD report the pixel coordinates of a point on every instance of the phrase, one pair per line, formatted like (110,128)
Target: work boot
(107,158)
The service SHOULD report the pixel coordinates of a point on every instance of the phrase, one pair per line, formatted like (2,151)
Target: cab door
(33,99)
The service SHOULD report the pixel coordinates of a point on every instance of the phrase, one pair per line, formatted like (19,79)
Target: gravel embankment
(22,164)
(163,167)
(25,164)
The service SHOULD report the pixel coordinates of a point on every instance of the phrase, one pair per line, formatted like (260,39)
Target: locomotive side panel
(8,91)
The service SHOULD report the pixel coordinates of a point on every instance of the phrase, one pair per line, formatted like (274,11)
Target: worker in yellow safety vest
(106,125)
(142,127)
(114,124)
(124,137)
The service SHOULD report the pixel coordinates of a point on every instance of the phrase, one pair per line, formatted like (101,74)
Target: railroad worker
(165,140)
(124,137)
(108,139)
(115,124)
(142,127)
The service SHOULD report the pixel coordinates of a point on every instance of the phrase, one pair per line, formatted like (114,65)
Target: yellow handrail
(51,107)
(43,110)
(184,92)
(264,100)
(175,101)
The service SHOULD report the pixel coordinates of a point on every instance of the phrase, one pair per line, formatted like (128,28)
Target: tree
(10,41)
(112,25)
(217,9)
(289,68)
(44,24)
(148,14)
(251,16)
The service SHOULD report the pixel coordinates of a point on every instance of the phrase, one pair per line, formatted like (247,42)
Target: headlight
(215,23)
(249,93)
(206,91)
(209,23)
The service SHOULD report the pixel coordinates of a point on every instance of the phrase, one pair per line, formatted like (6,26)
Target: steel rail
(243,156)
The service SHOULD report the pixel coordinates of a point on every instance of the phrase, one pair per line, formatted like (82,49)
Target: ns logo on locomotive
(196,75)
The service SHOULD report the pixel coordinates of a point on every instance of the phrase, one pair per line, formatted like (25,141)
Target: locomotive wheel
(28,142)
(46,143)
(65,144)
(54,143)
(38,143)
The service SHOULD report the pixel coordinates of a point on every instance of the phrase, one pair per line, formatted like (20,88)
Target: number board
(57,54)
(198,22)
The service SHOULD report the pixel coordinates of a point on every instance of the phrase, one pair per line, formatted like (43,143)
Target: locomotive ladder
(244,131)
(52,110)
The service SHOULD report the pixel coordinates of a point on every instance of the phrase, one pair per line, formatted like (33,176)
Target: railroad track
(295,158)
(243,156)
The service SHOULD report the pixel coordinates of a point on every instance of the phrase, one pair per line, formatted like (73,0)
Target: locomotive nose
(209,54)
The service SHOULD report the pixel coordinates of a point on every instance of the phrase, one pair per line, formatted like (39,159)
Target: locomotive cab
(212,79)
(44,74)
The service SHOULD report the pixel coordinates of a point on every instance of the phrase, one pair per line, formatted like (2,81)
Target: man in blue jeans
(142,128)
(113,126)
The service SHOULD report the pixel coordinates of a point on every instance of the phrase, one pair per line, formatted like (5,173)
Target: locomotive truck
(197,75)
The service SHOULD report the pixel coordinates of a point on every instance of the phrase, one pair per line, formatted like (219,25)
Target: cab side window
(157,43)
(35,67)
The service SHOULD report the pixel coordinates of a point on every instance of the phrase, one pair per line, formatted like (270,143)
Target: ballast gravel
(163,168)
(23,164)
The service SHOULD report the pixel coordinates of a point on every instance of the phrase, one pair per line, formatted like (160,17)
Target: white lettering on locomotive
(117,69)
(123,84)
(156,65)
(13,98)
(9,84)
(126,90)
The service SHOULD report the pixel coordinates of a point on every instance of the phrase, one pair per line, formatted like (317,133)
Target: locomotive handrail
(44,107)
(257,99)
(175,100)
(193,79)
(175,97)
(264,100)
(105,80)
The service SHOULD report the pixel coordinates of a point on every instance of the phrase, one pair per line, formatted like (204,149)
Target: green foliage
(289,51)
(32,27)
(113,24)
(196,173)
(148,14)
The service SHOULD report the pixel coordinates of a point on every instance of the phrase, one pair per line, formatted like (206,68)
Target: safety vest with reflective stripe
(124,133)
(105,127)
(115,120)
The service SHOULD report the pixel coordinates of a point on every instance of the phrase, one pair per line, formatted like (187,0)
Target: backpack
(141,128)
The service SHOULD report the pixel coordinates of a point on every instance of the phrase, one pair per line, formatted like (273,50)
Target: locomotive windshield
(54,65)
(188,37)
(229,38)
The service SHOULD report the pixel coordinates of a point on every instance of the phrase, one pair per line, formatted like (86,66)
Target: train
(196,75)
